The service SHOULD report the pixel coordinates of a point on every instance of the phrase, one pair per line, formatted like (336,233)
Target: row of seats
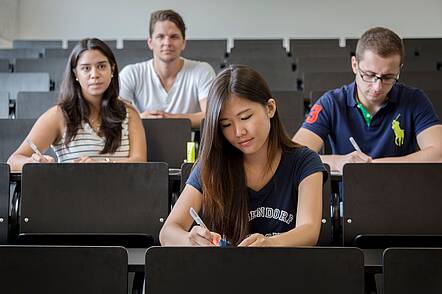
(307,58)
(267,56)
(290,270)
(312,75)
(283,71)
(377,212)
(30,105)
(291,104)
(118,199)
(279,79)
(71,269)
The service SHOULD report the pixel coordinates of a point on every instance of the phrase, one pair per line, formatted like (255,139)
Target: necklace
(95,125)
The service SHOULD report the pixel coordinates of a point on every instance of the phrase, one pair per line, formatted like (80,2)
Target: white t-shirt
(140,84)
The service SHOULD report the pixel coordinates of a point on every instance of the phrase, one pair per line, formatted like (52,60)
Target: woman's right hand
(199,236)
(35,158)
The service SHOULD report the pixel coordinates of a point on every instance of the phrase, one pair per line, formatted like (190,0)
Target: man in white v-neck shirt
(167,86)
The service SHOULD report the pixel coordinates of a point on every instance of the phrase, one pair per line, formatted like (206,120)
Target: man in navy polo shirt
(389,121)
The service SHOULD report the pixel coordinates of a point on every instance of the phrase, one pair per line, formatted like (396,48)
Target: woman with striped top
(90,123)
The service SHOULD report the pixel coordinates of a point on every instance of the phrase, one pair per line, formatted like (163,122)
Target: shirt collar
(351,98)
(351,94)
(394,93)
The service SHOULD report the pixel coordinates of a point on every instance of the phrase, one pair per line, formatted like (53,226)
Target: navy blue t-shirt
(272,210)
(392,131)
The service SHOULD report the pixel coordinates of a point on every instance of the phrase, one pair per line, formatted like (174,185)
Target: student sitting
(388,121)
(90,123)
(251,184)
(168,86)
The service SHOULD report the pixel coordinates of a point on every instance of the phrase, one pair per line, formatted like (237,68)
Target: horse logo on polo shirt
(398,132)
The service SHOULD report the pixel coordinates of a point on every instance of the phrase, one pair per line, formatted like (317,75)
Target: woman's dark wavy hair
(226,198)
(75,108)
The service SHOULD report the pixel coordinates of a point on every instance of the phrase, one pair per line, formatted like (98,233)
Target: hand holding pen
(358,156)
(200,235)
(37,156)
(355,145)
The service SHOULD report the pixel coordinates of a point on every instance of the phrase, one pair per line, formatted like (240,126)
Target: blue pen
(223,242)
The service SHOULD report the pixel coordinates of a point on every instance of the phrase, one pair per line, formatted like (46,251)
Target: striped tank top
(88,143)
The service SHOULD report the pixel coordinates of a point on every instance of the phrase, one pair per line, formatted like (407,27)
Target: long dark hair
(226,198)
(75,108)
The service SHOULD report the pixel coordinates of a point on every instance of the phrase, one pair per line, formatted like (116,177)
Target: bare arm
(308,138)
(175,231)
(46,130)
(336,162)
(195,118)
(308,218)
(430,143)
(137,138)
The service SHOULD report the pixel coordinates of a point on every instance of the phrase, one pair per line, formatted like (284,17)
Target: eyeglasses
(373,78)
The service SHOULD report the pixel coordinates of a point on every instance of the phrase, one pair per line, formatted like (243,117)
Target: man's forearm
(429,154)
(332,161)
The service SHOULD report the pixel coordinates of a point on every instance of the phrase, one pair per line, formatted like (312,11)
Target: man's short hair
(382,42)
(170,15)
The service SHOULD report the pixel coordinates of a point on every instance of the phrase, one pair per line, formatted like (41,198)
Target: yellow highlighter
(191,152)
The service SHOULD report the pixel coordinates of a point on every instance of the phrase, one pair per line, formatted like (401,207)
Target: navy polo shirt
(392,131)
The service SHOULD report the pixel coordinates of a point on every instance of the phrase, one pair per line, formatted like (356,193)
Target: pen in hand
(222,243)
(197,218)
(355,145)
(34,147)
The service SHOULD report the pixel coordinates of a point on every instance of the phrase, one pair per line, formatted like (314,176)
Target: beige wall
(67,19)
(9,21)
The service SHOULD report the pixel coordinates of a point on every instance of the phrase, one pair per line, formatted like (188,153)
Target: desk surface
(15,175)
